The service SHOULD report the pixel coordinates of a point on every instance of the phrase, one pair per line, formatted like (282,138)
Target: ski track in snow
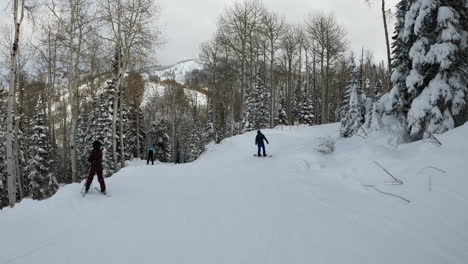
(299,206)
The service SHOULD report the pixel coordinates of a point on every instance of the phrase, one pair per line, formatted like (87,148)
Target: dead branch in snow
(391,194)
(397,181)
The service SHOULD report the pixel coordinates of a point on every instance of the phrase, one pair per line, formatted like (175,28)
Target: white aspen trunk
(11,179)
(322,74)
(114,123)
(307,71)
(272,89)
(122,150)
(243,81)
(138,150)
(117,85)
(387,42)
(19,170)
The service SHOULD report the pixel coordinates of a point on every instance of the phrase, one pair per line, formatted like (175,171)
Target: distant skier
(259,141)
(177,158)
(150,156)
(95,158)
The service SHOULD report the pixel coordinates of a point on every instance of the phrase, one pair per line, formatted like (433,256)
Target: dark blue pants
(261,146)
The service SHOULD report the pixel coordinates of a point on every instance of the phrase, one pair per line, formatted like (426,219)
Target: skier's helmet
(96,144)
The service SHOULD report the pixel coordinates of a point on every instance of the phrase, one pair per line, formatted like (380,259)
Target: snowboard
(267,156)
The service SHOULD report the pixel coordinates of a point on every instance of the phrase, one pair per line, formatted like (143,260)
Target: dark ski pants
(150,157)
(100,179)
(261,146)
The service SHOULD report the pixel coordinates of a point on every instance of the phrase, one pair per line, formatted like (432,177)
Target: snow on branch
(325,145)
(386,193)
(395,180)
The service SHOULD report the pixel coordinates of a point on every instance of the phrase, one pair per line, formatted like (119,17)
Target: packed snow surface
(299,206)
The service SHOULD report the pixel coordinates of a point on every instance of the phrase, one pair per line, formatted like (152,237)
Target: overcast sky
(188,23)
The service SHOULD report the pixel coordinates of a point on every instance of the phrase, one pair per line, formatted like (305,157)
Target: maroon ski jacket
(96,159)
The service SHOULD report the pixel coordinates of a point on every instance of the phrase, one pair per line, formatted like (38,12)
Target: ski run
(299,206)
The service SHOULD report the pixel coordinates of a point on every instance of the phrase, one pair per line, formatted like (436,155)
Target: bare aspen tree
(385,15)
(74,18)
(237,26)
(272,27)
(131,29)
(329,38)
(289,46)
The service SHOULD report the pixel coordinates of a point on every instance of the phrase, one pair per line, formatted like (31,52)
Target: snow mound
(300,206)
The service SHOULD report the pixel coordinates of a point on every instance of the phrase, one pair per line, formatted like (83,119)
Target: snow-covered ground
(299,206)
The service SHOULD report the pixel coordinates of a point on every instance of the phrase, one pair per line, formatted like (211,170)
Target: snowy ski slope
(299,206)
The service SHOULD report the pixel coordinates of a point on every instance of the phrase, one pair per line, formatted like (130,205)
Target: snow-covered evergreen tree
(353,81)
(401,63)
(256,109)
(195,141)
(261,97)
(249,111)
(439,76)
(352,110)
(100,128)
(159,138)
(282,118)
(432,50)
(209,130)
(43,183)
(305,110)
(131,127)
(83,139)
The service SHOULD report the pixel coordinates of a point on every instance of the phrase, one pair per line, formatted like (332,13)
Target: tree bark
(11,179)
(387,42)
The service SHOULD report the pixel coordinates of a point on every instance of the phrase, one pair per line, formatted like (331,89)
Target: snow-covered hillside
(177,71)
(155,89)
(299,206)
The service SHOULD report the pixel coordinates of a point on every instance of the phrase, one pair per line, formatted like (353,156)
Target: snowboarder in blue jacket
(259,141)
(150,156)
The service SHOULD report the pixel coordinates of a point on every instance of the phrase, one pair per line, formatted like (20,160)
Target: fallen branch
(391,194)
(431,167)
(398,181)
(430,176)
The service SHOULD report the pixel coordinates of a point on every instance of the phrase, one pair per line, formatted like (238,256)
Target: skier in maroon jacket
(96,167)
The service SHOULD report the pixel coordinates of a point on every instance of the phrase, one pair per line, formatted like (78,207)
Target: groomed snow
(299,206)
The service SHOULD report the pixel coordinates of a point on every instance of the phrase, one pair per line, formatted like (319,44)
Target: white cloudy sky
(188,23)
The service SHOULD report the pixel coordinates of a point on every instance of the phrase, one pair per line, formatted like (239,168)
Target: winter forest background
(88,74)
